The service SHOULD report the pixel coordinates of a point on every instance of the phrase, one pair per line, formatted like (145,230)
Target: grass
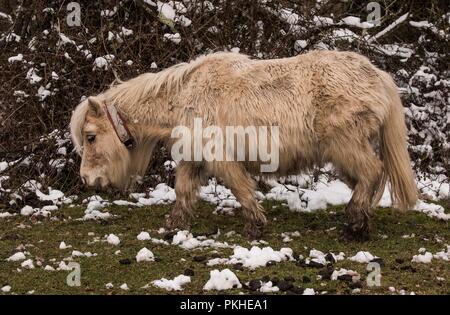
(320,230)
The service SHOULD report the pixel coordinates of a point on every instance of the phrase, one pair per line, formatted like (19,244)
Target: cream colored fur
(330,107)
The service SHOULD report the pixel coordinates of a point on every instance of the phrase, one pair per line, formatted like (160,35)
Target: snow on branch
(389,28)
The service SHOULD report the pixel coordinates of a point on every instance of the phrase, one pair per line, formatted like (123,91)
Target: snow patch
(172,285)
(17,257)
(143,236)
(12,59)
(362,257)
(222,280)
(186,240)
(268,287)
(113,239)
(144,255)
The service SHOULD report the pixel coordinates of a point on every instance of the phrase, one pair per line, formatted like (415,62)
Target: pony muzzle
(96,182)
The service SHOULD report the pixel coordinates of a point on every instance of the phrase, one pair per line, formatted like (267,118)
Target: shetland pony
(330,107)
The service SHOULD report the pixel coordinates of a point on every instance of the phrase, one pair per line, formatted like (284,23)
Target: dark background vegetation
(26,122)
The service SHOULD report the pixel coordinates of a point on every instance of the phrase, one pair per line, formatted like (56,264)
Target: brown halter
(120,126)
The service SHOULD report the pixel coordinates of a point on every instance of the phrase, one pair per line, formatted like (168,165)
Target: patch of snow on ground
(63,266)
(143,236)
(322,258)
(63,245)
(220,196)
(172,285)
(255,257)
(299,196)
(17,257)
(336,193)
(362,257)
(186,240)
(26,211)
(258,257)
(159,241)
(124,203)
(268,287)
(309,291)
(222,280)
(425,257)
(145,255)
(76,253)
(113,239)
(432,210)
(27,264)
(6,288)
(341,272)
(6,214)
(298,199)
(444,255)
(162,194)
(95,204)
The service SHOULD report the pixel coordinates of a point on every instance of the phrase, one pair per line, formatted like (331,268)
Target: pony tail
(394,153)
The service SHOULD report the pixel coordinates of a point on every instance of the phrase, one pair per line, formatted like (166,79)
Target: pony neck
(149,122)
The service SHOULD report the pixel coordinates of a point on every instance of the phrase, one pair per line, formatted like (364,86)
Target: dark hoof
(177,222)
(360,234)
(358,223)
(253,230)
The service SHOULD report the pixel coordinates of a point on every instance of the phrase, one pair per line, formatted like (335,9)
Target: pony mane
(76,125)
(138,89)
(169,80)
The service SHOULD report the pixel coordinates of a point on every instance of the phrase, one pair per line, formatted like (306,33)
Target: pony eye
(91,138)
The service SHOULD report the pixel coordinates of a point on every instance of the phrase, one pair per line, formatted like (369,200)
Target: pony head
(106,161)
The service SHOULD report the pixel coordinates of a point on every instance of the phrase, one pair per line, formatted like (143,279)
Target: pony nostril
(97,182)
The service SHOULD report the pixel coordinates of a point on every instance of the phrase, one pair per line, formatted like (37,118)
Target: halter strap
(119,125)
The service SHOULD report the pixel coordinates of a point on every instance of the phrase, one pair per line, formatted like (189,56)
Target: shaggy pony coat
(330,107)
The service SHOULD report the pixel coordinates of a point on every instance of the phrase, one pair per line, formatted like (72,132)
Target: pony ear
(95,105)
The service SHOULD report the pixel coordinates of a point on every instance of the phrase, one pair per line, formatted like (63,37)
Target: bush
(58,69)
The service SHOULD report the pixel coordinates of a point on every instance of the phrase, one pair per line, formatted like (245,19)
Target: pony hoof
(254,231)
(359,234)
(176,222)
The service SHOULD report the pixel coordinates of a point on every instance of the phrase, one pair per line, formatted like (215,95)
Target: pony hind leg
(362,169)
(189,177)
(243,187)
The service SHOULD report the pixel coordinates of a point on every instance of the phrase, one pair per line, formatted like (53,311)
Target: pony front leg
(243,187)
(179,218)
(189,177)
(255,220)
